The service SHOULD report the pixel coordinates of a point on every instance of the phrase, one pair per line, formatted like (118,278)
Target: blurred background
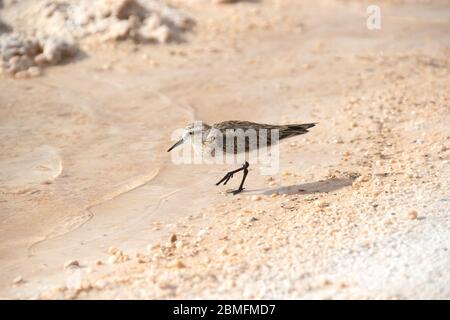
(90,92)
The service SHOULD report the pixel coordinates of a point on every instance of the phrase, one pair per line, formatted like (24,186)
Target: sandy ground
(359,209)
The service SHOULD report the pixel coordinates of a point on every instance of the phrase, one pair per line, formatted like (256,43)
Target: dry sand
(92,207)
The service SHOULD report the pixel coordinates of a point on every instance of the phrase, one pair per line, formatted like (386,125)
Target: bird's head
(194,133)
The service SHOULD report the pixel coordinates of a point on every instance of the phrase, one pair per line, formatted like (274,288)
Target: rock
(98,262)
(18,280)
(112,259)
(71,264)
(179,244)
(118,30)
(22,56)
(55,50)
(256,198)
(177,263)
(112,250)
(160,34)
(152,247)
(19,63)
(202,233)
(412,215)
(34,71)
(100,284)
(222,251)
(123,9)
(321,203)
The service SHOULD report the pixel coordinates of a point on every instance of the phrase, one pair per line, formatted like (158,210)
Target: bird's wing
(244,125)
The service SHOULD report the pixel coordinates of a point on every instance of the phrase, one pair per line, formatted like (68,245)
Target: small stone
(256,198)
(412,215)
(306,66)
(98,262)
(112,259)
(18,280)
(363,178)
(176,264)
(112,250)
(179,244)
(325,282)
(321,203)
(100,284)
(118,31)
(34,71)
(222,251)
(152,247)
(160,34)
(202,233)
(71,264)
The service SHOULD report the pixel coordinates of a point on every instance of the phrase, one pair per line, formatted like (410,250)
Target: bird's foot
(235,192)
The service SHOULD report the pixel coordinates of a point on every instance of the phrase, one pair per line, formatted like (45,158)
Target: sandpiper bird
(208,140)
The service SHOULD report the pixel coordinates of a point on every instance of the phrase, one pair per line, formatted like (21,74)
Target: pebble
(222,251)
(202,233)
(100,284)
(152,247)
(18,280)
(112,250)
(112,259)
(177,263)
(179,244)
(256,198)
(321,203)
(412,215)
(363,178)
(71,264)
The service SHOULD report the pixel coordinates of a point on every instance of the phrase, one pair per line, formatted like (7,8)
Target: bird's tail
(292,130)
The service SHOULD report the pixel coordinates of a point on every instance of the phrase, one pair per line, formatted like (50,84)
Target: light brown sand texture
(91,205)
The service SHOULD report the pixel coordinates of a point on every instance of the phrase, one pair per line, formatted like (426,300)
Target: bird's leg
(241,186)
(230,174)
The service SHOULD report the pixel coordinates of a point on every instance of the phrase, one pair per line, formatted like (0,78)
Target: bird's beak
(176,144)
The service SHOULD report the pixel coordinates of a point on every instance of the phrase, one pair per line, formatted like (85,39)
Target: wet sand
(85,168)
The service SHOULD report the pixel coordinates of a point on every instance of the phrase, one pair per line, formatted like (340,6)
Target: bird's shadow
(321,186)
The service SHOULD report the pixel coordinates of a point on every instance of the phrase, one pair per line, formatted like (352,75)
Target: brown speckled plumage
(285,131)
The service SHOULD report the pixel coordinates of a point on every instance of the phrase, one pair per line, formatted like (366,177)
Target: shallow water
(84,161)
